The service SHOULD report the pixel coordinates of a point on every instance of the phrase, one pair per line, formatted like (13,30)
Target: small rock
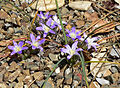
(50,5)
(68,81)
(59,82)
(12,85)
(38,75)
(80,5)
(53,57)
(64,11)
(6,75)
(1,78)
(103,81)
(47,85)
(57,70)
(4,15)
(26,72)
(34,86)
(68,70)
(28,79)
(52,12)
(14,75)
(3,85)
(19,85)
(13,66)
(21,78)
(66,86)
(32,66)
(75,83)
(114,69)
(80,23)
(10,30)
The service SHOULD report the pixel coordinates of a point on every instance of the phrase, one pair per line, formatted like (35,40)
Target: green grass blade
(43,85)
(61,21)
(82,61)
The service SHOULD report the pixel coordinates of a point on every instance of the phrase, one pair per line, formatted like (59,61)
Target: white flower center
(72,52)
(35,44)
(47,29)
(89,42)
(73,35)
(17,48)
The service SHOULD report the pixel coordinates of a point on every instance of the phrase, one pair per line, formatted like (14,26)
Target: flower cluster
(47,24)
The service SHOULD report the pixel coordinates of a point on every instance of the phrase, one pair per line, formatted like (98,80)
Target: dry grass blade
(97,22)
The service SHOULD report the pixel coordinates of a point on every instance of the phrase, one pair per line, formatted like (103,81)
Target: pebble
(38,75)
(34,86)
(64,11)
(114,69)
(50,5)
(14,75)
(10,30)
(80,5)
(47,85)
(53,57)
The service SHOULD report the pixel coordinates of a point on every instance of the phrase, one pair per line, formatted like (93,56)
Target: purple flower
(51,23)
(73,34)
(45,28)
(57,22)
(35,43)
(17,48)
(42,16)
(90,41)
(71,51)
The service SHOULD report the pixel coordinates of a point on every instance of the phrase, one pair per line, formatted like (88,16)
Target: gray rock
(64,11)
(114,69)
(53,57)
(47,85)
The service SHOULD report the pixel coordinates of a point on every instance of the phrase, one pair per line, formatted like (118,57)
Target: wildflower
(71,51)
(90,42)
(57,21)
(44,17)
(45,28)
(51,23)
(17,48)
(35,43)
(73,34)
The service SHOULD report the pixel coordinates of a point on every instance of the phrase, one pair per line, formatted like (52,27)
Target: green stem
(82,60)
(61,21)
(43,85)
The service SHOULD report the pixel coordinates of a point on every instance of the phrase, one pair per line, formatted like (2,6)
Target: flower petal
(15,44)
(32,37)
(65,50)
(19,52)
(34,47)
(51,31)
(69,56)
(49,22)
(74,45)
(13,53)
(38,37)
(23,48)
(40,48)
(21,43)
(45,34)
(39,28)
(41,41)
(28,42)
(68,47)
(11,47)
(73,29)
(79,49)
